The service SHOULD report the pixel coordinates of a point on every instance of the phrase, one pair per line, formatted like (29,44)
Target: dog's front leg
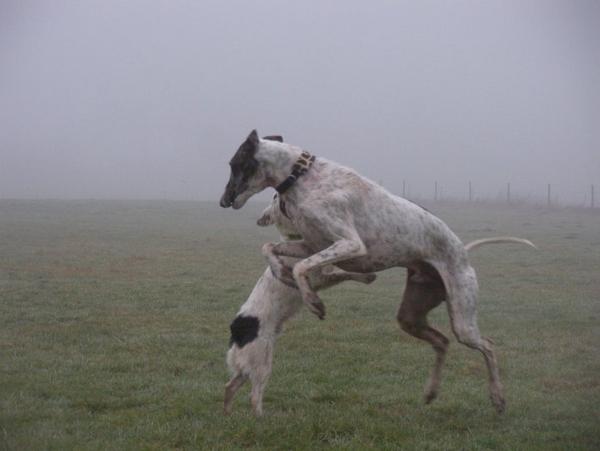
(273,251)
(341,250)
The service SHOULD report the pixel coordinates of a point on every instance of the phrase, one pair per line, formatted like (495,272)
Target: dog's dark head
(247,177)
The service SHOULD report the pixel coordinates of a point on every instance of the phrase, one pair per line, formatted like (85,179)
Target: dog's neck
(277,160)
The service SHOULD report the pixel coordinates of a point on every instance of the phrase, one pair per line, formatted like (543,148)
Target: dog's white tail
(499,239)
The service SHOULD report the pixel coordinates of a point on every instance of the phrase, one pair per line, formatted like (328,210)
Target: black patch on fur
(274,138)
(245,153)
(244,329)
(243,167)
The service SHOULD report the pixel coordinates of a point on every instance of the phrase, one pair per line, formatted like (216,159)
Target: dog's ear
(265,220)
(253,139)
(274,138)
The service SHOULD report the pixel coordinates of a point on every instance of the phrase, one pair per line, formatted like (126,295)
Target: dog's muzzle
(227,199)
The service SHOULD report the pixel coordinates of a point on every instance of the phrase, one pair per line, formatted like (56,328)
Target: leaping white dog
(351,222)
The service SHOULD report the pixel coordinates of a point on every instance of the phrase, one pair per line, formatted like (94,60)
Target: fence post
(435,195)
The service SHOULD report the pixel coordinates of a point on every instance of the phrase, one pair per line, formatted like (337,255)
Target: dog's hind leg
(230,390)
(424,291)
(259,381)
(256,396)
(462,301)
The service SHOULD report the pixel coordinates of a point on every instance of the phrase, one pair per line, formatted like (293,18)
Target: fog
(150,99)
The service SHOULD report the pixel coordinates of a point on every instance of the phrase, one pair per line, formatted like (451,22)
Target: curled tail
(499,239)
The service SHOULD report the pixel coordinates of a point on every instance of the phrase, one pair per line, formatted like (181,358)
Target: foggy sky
(150,99)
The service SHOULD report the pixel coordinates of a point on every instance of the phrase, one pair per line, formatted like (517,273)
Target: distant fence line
(509,197)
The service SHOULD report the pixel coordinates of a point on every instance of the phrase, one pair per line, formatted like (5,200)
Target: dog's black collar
(303,164)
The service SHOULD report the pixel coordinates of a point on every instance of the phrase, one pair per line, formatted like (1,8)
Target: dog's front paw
(430,394)
(315,305)
(498,401)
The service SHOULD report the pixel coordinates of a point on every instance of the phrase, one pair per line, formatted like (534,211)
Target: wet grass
(114,325)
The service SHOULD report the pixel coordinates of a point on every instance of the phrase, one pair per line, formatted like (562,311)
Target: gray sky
(149,99)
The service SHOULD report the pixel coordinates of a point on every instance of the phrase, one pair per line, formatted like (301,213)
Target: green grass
(114,326)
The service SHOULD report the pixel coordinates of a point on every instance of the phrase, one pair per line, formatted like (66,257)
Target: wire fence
(587,198)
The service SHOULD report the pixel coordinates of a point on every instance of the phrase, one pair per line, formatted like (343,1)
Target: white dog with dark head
(351,222)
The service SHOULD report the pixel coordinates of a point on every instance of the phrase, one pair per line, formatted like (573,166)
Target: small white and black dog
(260,319)
(351,222)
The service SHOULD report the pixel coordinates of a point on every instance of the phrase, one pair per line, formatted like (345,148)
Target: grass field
(114,326)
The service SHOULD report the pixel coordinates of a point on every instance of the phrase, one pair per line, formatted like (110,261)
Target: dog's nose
(224,202)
